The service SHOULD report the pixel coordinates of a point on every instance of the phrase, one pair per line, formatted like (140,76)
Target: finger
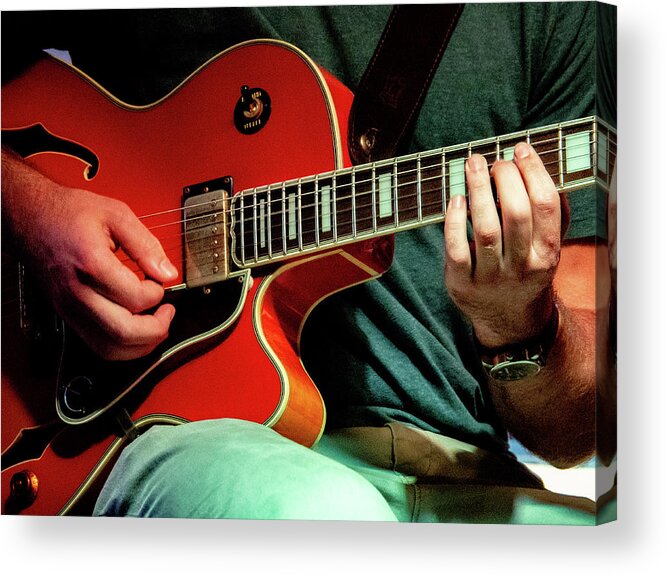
(485,221)
(516,214)
(116,333)
(544,199)
(103,272)
(458,255)
(142,246)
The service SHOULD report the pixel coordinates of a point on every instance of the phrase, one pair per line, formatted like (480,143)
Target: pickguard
(88,386)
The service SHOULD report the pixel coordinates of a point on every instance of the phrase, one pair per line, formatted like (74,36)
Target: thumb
(143,247)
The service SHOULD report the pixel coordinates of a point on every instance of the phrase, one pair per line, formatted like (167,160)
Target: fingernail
(476,163)
(458,201)
(522,150)
(168,269)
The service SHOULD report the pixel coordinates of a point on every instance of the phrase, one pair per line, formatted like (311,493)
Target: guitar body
(240,357)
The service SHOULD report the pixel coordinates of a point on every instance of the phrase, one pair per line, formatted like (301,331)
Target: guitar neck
(279,221)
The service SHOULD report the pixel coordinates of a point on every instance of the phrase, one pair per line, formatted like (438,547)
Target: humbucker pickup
(205,209)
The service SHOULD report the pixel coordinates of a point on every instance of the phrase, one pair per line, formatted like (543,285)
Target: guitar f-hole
(36,139)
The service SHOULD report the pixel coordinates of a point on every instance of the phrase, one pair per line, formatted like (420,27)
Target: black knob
(252,110)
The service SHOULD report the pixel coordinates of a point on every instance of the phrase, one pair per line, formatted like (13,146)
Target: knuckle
(455,259)
(459,291)
(488,237)
(91,262)
(120,210)
(519,217)
(547,205)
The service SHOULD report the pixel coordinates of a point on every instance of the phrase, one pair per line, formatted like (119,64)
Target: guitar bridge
(205,209)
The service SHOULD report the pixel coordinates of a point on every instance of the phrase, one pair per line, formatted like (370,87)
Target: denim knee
(234,469)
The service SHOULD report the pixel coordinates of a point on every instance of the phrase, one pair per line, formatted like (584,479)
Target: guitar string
(347,172)
(361,205)
(270,204)
(294,246)
(277,186)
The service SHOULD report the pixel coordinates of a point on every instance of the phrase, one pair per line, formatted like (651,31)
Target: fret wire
(316,204)
(270,225)
(300,217)
(242,222)
(418,188)
(560,155)
(254,224)
(284,219)
(335,208)
(445,195)
(353,201)
(594,147)
(395,192)
(374,198)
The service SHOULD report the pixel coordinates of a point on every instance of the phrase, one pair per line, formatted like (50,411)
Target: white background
(634,544)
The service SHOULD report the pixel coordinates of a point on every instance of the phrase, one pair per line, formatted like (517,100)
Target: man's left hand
(502,280)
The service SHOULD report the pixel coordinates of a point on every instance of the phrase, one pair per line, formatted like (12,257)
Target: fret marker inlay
(262,223)
(457,177)
(292,216)
(385,196)
(577,152)
(326,208)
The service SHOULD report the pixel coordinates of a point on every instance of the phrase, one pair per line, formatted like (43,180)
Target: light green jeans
(240,470)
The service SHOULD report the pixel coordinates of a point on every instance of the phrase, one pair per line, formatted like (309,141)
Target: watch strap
(530,354)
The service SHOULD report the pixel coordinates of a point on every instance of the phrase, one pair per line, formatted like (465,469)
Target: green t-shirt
(396,348)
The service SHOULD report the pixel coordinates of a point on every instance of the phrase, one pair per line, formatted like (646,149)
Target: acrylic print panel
(323,362)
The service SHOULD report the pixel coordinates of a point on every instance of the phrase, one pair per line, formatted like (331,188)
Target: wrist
(525,358)
(508,326)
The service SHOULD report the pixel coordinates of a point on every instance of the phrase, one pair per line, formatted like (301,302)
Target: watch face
(514,370)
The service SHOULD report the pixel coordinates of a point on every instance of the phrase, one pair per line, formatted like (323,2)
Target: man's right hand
(69,239)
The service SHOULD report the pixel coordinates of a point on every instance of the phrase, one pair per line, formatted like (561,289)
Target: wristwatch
(524,359)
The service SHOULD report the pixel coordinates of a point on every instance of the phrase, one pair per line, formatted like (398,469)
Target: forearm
(25,193)
(70,238)
(553,412)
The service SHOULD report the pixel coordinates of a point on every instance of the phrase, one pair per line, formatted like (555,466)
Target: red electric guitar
(240,172)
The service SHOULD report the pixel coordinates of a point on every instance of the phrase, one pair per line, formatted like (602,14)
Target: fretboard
(287,219)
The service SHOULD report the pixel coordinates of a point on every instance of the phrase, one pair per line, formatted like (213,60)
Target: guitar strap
(394,85)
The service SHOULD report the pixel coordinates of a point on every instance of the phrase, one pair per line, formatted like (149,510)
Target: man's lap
(242,470)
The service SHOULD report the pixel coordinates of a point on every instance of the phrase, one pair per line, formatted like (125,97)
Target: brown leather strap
(394,85)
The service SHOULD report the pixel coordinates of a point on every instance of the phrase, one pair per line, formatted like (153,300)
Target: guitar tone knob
(23,488)
(252,110)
